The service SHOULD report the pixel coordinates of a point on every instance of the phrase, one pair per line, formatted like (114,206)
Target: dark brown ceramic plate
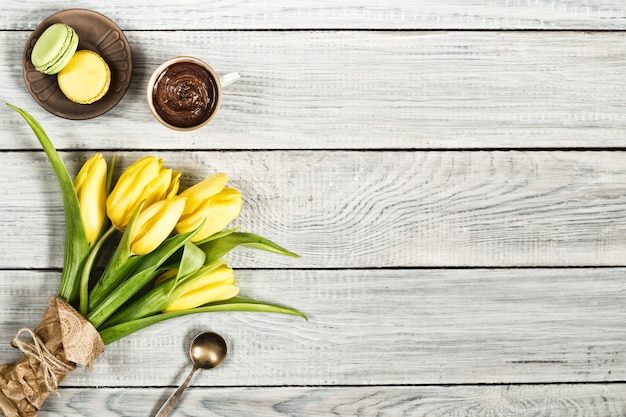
(97,33)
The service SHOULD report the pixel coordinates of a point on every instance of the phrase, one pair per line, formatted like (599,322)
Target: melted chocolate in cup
(184,93)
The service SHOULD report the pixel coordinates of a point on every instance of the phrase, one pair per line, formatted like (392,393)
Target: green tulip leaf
(155,300)
(217,235)
(113,333)
(94,252)
(148,304)
(109,181)
(76,245)
(187,282)
(219,247)
(119,266)
(192,260)
(122,252)
(139,277)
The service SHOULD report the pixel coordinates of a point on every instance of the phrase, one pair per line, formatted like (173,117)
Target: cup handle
(228,79)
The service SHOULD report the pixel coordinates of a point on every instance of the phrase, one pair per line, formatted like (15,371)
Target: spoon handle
(171,402)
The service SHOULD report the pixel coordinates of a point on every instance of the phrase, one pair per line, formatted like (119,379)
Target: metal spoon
(207,351)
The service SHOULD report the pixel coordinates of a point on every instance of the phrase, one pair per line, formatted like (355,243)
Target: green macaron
(54,48)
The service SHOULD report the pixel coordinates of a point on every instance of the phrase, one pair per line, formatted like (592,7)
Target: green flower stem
(143,273)
(76,245)
(119,266)
(157,299)
(149,304)
(86,272)
(110,281)
(111,334)
(119,296)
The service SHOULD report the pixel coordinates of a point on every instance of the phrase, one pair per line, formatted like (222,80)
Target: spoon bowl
(207,351)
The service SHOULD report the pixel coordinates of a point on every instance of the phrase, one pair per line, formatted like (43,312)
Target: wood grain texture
(328,14)
(385,143)
(362,90)
(371,209)
(373,327)
(597,400)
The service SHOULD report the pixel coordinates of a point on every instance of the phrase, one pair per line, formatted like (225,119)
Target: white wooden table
(453,174)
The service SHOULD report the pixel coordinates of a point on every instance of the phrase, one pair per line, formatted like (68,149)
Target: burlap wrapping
(63,339)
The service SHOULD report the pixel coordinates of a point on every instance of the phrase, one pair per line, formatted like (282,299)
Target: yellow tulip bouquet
(168,262)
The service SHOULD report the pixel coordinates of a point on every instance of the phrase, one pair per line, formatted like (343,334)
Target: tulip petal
(198,194)
(174,184)
(221,274)
(154,225)
(158,187)
(90,185)
(128,191)
(205,295)
(192,220)
(222,209)
(206,188)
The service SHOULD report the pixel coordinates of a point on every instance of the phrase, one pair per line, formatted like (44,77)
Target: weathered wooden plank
(363,90)
(600,400)
(371,209)
(373,327)
(328,14)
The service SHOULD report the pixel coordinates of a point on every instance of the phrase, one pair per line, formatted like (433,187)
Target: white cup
(184,93)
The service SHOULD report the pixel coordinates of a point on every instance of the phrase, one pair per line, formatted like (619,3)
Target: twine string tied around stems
(50,364)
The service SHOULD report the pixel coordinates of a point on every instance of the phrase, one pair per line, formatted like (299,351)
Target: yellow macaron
(86,78)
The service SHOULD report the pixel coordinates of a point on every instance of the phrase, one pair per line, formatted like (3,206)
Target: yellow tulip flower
(154,224)
(211,203)
(143,181)
(90,186)
(216,285)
